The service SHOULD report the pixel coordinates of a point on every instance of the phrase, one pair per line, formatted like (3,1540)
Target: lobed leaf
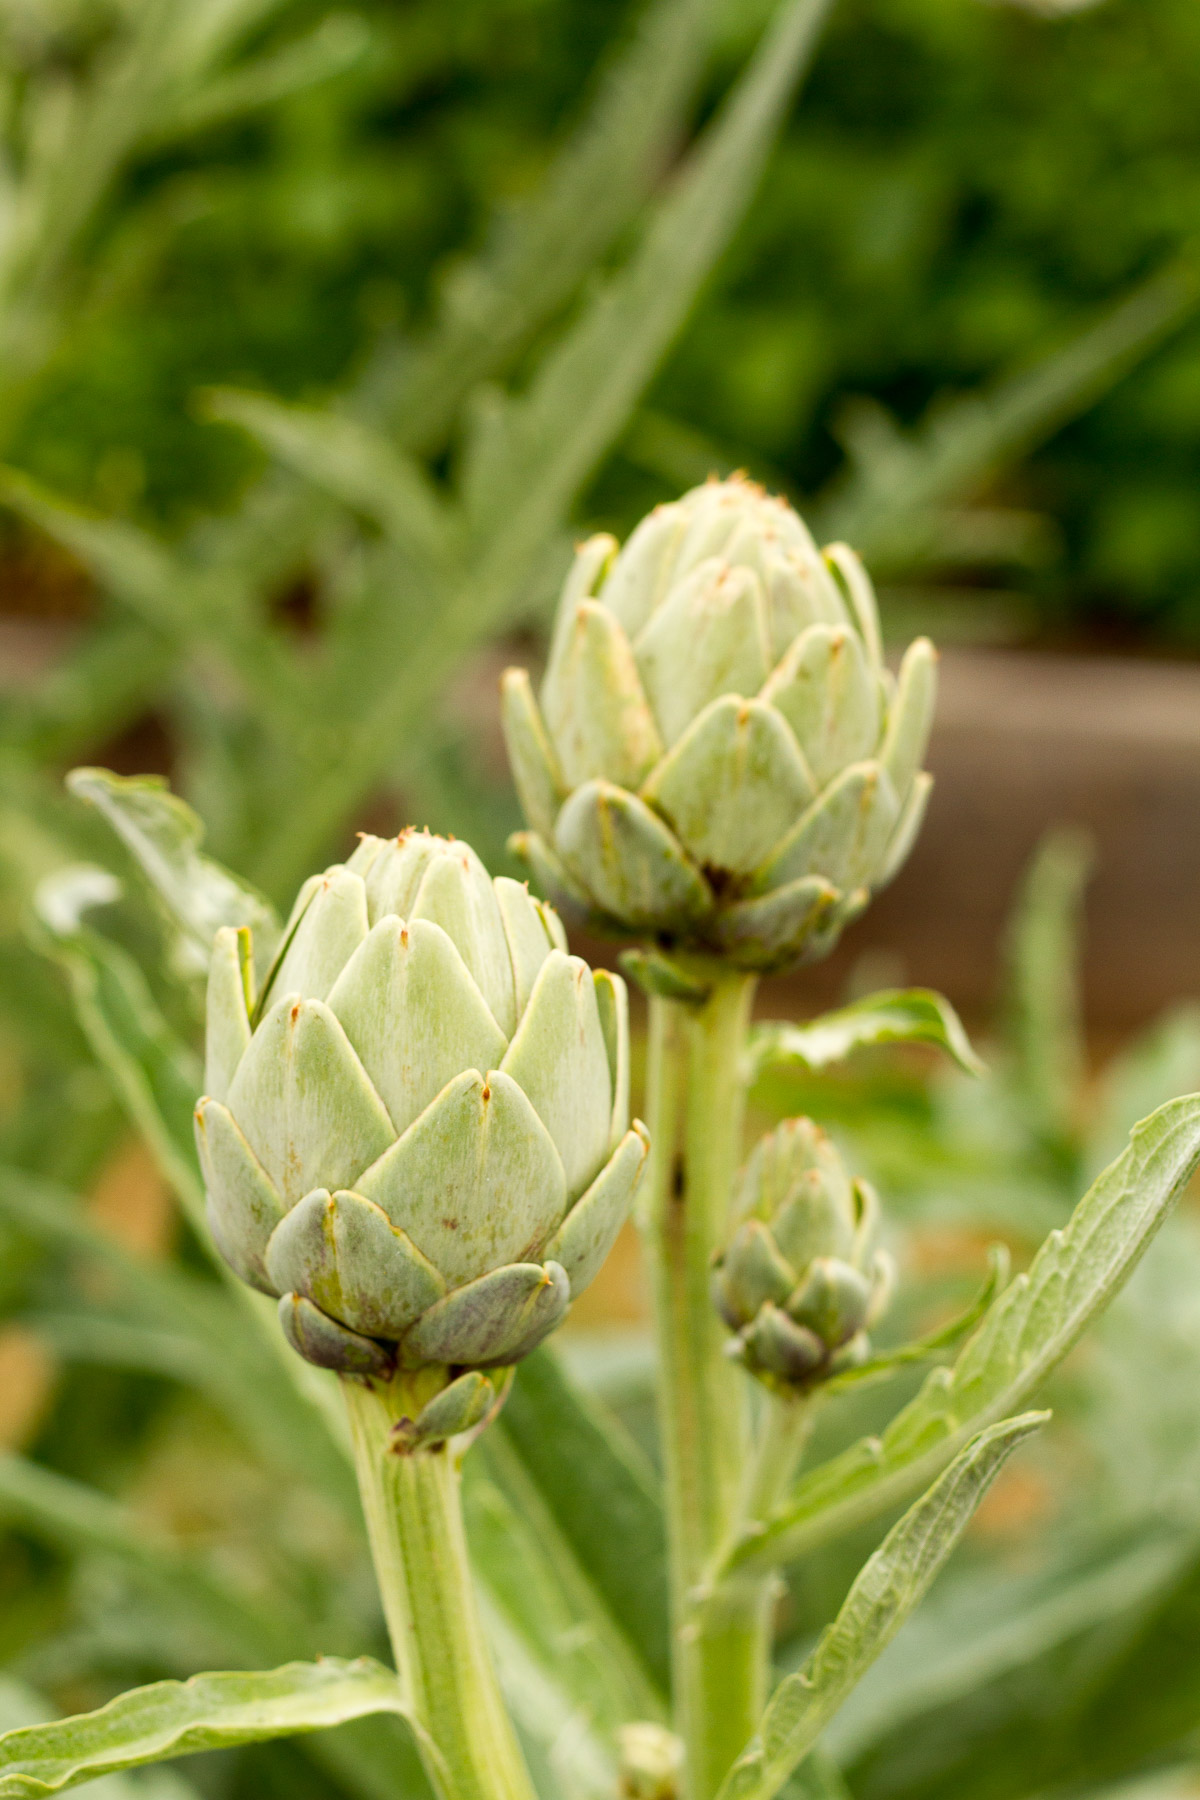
(888,1587)
(179,1718)
(1024,1334)
(893,1016)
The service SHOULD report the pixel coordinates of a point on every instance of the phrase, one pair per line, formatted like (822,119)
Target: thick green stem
(696,1103)
(414,1521)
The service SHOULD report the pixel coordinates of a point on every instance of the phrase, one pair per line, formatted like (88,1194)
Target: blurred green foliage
(964,185)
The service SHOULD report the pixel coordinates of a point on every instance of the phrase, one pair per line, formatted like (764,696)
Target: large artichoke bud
(801,1279)
(720,759)
(417,1134)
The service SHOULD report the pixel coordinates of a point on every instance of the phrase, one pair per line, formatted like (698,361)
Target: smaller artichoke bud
(801,1280)
(651,1761)
(718,759)
(416,1135)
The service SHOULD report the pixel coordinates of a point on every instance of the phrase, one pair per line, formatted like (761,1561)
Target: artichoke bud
(801,1280)
(717,759)
(650,1761)
(417,1135)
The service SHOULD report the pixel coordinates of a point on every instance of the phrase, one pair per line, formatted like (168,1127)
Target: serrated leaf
(889,1586)
(1024,1334)
(894,1016)
(164,835)
(179,1718)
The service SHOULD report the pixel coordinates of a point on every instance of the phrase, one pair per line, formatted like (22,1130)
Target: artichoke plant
(416,1135)
(720,758)
(801,1280)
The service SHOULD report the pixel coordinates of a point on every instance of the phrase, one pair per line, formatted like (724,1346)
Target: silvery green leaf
(894,1016)
(911,716)
(709,637)
(475,1181)
(891,1584)
(775,927)
(733,785)
(305,1103)
(1023,1335)
(414,1015)
(328,932)
(490,1320)
(843,834)
(530,940)
(164,836)
(228,1006)
(178,1718)
(595,711)
(535,771)
(638,578)
(612,1002)
(243,1205)
(630,864)
(321,1341)
(456,893)
(343,1253)
(589,1231)
(830,696)
(559,1059)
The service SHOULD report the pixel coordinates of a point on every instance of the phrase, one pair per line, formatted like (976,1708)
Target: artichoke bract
(801,1280)
(417,1135)
(720,759)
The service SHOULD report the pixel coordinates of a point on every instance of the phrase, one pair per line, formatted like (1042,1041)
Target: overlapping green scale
(719,758)
(801,1280)
(417,1135)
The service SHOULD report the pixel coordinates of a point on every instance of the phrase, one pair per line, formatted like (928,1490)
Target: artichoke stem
(413,1509)
(720,1634)
(784,1430)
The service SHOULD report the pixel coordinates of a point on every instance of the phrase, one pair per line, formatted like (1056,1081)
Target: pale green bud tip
(717,757)
(417,1133)
(801,1279)
(651,1761)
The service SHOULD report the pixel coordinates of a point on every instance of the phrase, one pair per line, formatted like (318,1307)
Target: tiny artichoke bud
(417,1134)
(718,759)
(801,1281)
(651,1761)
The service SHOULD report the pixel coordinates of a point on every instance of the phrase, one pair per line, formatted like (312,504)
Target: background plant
(97,1594)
